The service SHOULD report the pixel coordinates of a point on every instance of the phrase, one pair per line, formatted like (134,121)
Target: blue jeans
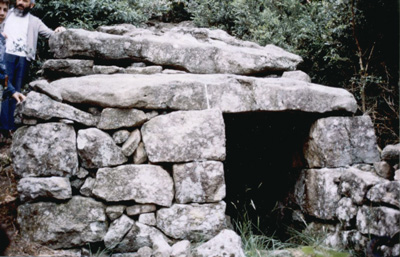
(16,69)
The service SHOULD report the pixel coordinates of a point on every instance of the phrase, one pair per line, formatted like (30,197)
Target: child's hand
(4,34)
(19,97)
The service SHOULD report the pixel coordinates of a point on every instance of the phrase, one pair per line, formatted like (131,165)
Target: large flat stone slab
(197,50)
(229,93)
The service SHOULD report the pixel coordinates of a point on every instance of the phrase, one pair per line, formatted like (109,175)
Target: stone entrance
(264,159)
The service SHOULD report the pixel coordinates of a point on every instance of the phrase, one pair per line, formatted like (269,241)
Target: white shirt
(16,29)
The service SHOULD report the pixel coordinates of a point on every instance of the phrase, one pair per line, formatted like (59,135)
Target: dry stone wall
(131,156)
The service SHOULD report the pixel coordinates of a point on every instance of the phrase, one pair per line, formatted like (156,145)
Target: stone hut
(124,144)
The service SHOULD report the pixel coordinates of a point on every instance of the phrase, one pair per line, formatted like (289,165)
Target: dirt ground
(8,209)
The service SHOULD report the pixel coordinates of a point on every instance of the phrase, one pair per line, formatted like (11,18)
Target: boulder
(354,183)
(72,224)
(378,221)
(387,193)
(44,188)
(197,50)
(229,93)
(193,222)
(226,243)
(97,149)
(185,136)
(391,153)
(317,193)
(45,150)
(199,182)
(140,183)
(341,141)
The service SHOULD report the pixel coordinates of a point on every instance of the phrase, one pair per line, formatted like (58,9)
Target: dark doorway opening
(264,159)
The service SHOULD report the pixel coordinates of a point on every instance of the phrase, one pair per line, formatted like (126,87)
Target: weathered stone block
(226,243)
(112,118)
(387,192)
(56,68)
(185,136)
(140,183)
(317,194)
(43,107)
(45,150)
(341,141)
(192,222)
(76,223)
(379,221)
(354,183)
(97,149)
(199,182)
(53,187)
(117,231)
(138,237)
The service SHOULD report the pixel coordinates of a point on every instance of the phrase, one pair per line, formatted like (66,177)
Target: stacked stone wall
(131,158)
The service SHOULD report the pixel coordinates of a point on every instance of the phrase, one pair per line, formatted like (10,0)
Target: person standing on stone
(9,90)
(21,30)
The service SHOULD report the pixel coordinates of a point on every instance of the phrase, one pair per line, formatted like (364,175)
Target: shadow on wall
(264,157)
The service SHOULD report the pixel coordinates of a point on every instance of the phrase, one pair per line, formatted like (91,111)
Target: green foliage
(89,14)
